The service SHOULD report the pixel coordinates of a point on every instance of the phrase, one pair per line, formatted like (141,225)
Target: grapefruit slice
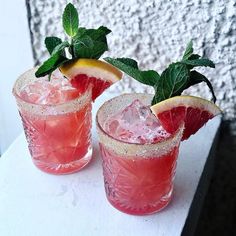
(90,72)
(193,111)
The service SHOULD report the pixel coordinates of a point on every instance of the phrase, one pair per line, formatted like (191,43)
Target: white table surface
(33,203)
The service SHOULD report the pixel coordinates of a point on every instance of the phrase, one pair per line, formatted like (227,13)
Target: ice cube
(135,124)
(112,126)
(42,91)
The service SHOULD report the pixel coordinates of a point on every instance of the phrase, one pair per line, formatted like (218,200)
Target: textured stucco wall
(155,33)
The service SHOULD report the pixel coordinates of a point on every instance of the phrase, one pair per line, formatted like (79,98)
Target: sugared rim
(137,149)
(61,108)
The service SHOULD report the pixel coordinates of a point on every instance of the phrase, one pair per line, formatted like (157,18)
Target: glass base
(68,168)
(146,210)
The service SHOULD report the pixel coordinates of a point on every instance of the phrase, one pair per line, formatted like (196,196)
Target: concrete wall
(155,33)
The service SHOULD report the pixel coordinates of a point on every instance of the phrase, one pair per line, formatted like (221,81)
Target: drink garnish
(177,77)
(171,109)
(83,43)
(194,112)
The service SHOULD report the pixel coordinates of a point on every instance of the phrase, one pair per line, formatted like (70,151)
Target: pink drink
(57,122)
(139,156)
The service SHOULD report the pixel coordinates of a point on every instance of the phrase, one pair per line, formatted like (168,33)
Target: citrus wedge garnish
(91,72)
(193,111)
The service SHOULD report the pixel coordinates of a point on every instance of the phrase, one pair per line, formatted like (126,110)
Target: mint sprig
(173,80)
(82,43)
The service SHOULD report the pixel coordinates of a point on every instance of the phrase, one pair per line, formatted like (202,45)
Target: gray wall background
(155,33)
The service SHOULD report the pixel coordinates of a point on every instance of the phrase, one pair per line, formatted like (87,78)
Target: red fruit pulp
(193,118)
(82,81)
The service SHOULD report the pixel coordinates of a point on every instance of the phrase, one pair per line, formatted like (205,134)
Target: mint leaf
(193,60)
(199,62)
(90,43)
(98,34)
(129,62)
(86,47)
(50,65)
(98,49)
(80,32)
(95,34)
(194,56)
(51,43)
(104,29)
(84,40)
(150,76)
(82,47)
(130,67)
(188,51)
(172,82)
(70,20)
(60,48)
(196,78)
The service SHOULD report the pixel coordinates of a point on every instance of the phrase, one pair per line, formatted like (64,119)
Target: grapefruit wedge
(193,111)
(90,72)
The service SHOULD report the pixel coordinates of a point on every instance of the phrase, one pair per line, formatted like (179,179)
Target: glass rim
(30,75)
(106,137)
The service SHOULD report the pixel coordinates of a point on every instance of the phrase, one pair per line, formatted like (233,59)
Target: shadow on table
(218,215)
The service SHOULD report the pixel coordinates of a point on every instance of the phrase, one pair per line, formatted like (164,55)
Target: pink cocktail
(57,122)
(139,156)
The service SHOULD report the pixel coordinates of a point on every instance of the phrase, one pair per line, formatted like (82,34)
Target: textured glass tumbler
(59,136)
(138,177)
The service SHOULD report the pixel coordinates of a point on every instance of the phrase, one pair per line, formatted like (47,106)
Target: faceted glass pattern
(138,178)
(59,136)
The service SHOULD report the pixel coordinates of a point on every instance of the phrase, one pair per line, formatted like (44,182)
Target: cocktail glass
(58,135)
(138,177)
